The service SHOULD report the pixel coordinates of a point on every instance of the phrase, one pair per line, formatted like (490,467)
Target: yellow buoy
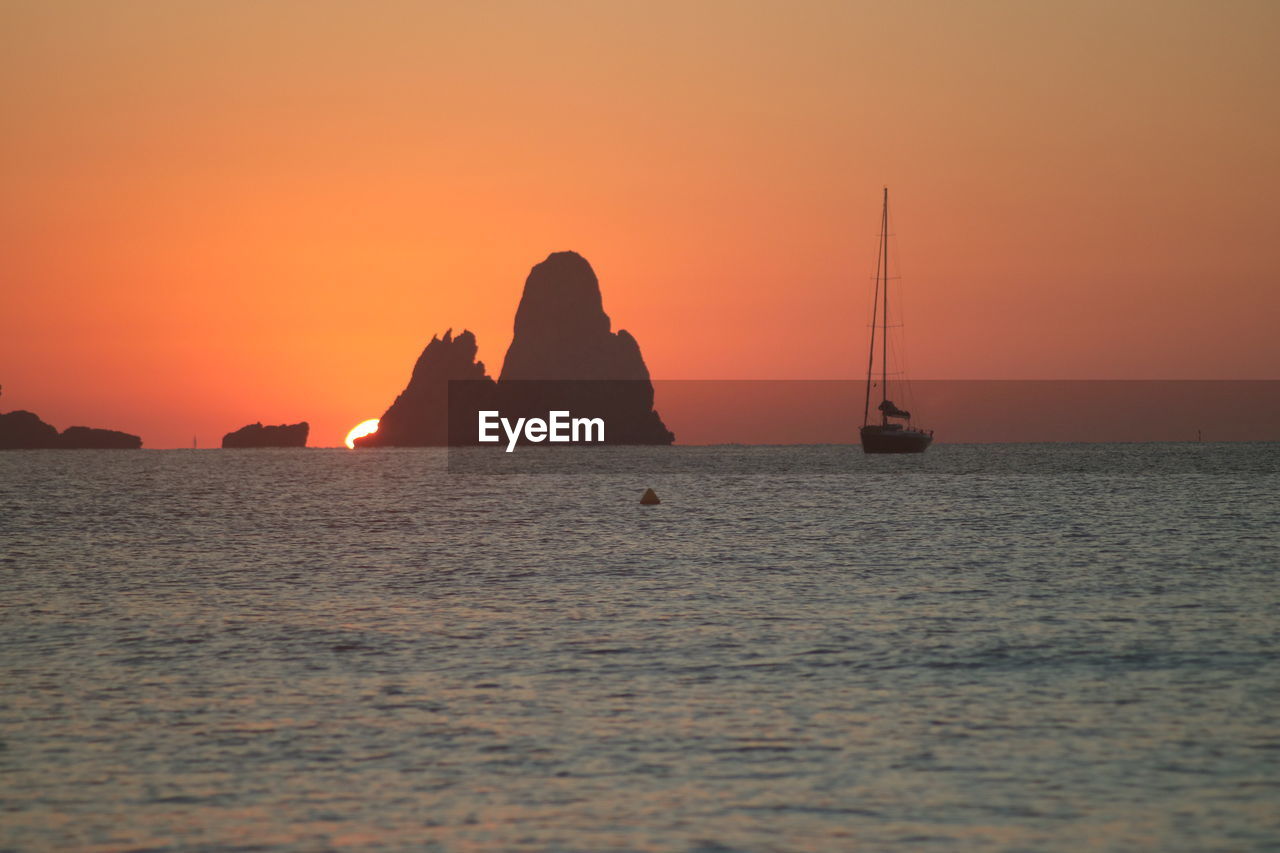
(649,498)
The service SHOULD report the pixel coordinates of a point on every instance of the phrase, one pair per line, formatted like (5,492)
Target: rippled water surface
(988,647)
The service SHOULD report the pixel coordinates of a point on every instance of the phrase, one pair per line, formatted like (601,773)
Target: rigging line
(905,385)
(871,353)
(884,337)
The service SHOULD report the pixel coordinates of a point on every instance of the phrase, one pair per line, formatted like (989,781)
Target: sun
(362,428)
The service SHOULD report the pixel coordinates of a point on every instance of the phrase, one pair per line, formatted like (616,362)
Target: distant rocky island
(563,340)
(257,435)
(22,430)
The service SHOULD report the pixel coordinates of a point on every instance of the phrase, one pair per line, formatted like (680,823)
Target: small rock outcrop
(90,438)
(257,435)
(22,430)
(419,417)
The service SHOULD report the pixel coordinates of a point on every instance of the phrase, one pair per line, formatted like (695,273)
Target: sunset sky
(219,213)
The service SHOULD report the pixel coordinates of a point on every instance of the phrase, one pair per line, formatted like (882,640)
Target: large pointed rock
(563,333)
(561,330)
(563,356)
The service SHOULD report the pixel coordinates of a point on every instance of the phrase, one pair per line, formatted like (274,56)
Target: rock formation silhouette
(563,356)
(22,430)
(563,333)
(257,435)
(91,438)
(419,416)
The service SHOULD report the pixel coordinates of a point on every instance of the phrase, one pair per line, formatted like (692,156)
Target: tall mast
(884,337)
(871,352)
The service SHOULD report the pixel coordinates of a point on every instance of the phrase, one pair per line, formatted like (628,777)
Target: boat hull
(878,439)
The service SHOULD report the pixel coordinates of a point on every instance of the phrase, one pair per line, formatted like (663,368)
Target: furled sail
(892,411)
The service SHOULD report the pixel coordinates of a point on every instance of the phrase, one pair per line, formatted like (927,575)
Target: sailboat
(886,436)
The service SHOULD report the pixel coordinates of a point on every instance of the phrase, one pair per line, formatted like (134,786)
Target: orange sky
(218,213)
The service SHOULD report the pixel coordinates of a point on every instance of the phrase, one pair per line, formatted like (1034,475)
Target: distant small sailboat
(886,436)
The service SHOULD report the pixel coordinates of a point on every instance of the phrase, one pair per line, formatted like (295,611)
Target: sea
(987,647)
